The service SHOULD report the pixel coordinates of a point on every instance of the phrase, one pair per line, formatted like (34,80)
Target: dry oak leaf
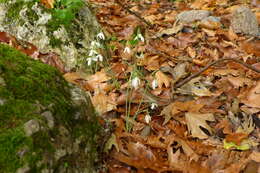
(48,3)
(188,150)
(239,81)
(97,81)
(225,72)
(252,47)
(255,156)
(237,138)
(170,31)
(72,77)
(197,120)
(252,98)
(177,107)
(162,79)
(191,52)
(103,103)
(225,125)
(150,62)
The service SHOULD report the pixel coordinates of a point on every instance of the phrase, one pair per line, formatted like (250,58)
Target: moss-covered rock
(68,29)
(45,124)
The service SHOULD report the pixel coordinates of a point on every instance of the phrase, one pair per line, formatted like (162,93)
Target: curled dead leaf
(252,97)
(162,79)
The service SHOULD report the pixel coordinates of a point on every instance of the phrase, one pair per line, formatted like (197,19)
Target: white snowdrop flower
(147,118)
(100,57)
(94,58)
(95,44)
(135,82)
(101,36)
(153,106)
(154,84)
(139,37)
(92,52)
(127,50)
(140,56)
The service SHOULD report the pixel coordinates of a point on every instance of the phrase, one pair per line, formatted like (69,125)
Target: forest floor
(183,96)
(179,84)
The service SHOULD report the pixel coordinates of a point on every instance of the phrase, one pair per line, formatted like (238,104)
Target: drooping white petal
(94,58)
(89,61)
(154,84)
(135,82)
(153,106)
(100,57)
(141,37)
(101,36)
(92,52)
(127,50)
(147,118)
(95,44)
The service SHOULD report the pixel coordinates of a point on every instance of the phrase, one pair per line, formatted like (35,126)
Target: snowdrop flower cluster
(139,37)
(93,55)
(135,82)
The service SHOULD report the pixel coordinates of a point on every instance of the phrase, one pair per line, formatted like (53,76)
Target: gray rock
(212,19)
(192,15)
(31,127)
(72,49)
(50,120)
(244,21)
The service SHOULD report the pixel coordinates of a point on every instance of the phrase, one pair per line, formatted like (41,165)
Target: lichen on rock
(42,126)
(32,22)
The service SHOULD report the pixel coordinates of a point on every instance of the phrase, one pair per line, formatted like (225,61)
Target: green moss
(22,74)
(28,82)
(11,142)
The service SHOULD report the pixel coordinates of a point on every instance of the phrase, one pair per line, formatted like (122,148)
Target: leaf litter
(203,77)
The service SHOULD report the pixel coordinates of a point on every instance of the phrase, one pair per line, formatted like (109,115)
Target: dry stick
(133,13)
(180,84)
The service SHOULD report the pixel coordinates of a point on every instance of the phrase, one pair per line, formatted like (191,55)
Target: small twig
(133,13)
(180,84)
